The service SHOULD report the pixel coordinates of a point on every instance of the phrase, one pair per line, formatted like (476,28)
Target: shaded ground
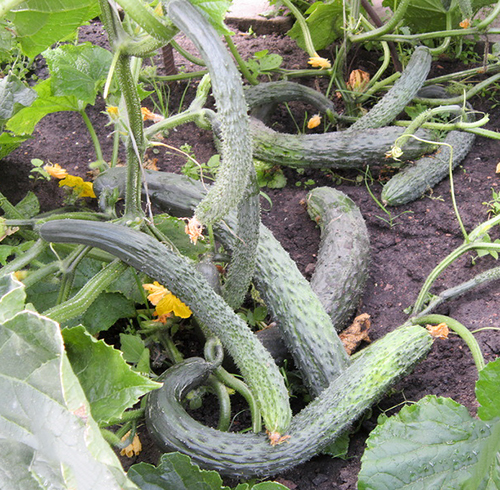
(422,233)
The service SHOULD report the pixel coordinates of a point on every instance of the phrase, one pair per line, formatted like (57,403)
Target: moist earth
(405,244)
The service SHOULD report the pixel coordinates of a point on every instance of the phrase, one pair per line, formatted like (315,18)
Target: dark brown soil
(422,233)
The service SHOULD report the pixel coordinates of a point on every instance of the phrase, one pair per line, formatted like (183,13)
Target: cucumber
(250,455)
(413,181)
(236,146)
(400,95)
(344,253)
(146,254)
(339,149)
(305,326)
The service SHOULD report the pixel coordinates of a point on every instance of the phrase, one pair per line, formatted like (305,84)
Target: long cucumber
(157,261)
(250,455)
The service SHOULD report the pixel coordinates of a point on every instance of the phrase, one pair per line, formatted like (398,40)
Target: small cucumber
(413,181)
(344,253)
(249,455)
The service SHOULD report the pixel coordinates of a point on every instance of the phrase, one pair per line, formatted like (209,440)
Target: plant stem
(95,140)
(186,54)
(23,260)
(459,329)
(68,267)
(239,60)
(220,390)
(458,252)
(82,300)
(303,26)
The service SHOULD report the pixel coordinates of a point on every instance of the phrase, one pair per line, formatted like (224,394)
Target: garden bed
(405,246)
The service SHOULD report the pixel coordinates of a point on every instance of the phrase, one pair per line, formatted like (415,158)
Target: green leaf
(14,95)
(108,381)
(12,297)
(325,23)
(9,142)
(215,11)
(29,205)
(47,437)
(41,23)
(132,347)
(78,71)
(434,443)
(7,250)
(176,472)
(26,119)
(487,391)
(106,310)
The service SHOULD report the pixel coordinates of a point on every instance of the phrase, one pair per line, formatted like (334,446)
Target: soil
(403,252)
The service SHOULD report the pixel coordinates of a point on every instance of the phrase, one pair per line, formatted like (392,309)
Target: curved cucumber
(250,455)
(304,324)
(400,95)
(339,149)
(227,87)
(413,181)
(146,254)
(344,253)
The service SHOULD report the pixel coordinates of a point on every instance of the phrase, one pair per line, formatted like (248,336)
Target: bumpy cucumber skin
(305,326)
(413,181)
(154,259)
(250,455)
(400,95)
(227,88)
(339,149)
(344,253)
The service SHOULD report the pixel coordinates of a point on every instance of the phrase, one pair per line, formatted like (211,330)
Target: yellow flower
(465,24)
(314,121)
(358,81)
(132,449)
(113,112)
(55,170)
(319,62)
(147,115)
(440,331)
(21,275)
(84,189)
(165,302)
(194,229)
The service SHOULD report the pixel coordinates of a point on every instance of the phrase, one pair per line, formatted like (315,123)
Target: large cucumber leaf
(435,443)
(79,71)
(26,119)
(14,95)
(215,11)
(108,381)
(176,472)
(48,438)
(41,23)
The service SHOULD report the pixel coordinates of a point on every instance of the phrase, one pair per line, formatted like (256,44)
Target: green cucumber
(236,146)
(400,95)
(157,261)
(305,326)
(344,253)
(413,181)
(249,455)
(338,149)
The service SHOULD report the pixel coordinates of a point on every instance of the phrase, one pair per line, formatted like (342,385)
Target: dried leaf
(353,335)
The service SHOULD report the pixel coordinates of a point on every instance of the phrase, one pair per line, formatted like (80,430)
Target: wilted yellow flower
(84,189)
(314,121)
(465,24)
(497,171)
(55,170)
(165,302)
(194,229)
(319,62)
(440,331)
(113,112)
(358,81)
(147,115)
(21,275)
(132,449)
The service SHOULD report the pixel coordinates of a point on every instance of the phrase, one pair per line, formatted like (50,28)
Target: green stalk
(311,51)
(176,78)
(102,165)
(68,267)
(425,36)
(378,86)
(11,212)
(220,391)
(146,18)
(444,45)
(239,60)
(82,300)
(459,329)
(26,258)
(490,68)
(458,252)
(186,54)
(390,25)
